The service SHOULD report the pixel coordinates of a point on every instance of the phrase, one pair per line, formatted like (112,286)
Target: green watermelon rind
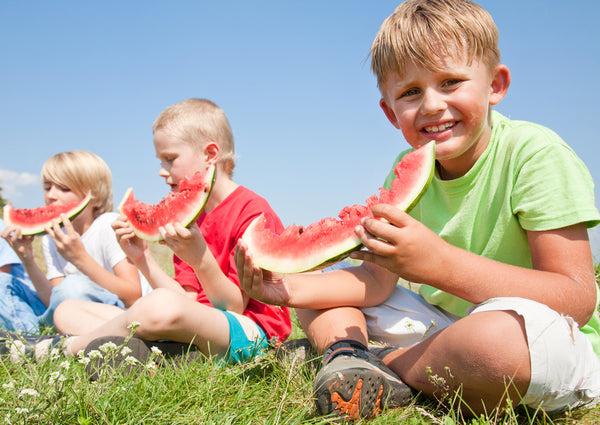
(338,251)
(185,221)
(11,218)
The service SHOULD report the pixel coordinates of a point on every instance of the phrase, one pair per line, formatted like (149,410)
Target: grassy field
(269,390)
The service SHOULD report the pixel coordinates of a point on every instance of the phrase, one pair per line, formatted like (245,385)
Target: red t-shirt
(222,228)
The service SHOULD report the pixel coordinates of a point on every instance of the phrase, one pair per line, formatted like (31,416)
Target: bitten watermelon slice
(181,207)
(298,249)
(34,221)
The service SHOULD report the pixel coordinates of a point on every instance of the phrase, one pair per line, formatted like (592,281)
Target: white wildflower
(84,361)
(29,391)
(55,354)
(130,360)
(133,325)
(21,411)
(150,365)
(108,347)
(53,377)
(156,350)
(125,350)
(10,384)
(81,354)
(95,354)
(65,365)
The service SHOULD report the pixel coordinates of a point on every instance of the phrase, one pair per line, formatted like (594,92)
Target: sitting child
(204,304)
(83,258)
(506,311)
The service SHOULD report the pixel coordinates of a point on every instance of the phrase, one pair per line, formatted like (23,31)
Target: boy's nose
(433,102)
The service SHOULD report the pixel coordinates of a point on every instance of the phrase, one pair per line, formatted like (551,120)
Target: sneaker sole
(358,392)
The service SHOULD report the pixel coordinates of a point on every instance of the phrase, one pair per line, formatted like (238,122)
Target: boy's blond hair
(198,121)
(422,32)
(82,172)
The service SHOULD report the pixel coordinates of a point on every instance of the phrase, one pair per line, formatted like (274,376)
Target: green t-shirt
(527,179)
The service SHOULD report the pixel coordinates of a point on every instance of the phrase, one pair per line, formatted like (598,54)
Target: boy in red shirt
(204,304)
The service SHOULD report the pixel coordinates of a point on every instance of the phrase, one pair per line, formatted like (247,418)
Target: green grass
(266,391)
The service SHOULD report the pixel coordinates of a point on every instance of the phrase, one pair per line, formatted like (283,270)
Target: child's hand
(404,245)
(187,243)
(262,285)
(134,247)
(68,241)
(22,245)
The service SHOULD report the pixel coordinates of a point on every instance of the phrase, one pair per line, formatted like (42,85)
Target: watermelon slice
(34,221)
(298,249)
(182,207)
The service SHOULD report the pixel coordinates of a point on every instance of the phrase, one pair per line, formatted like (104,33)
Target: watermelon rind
(289,253)
(24,218)
(188,211)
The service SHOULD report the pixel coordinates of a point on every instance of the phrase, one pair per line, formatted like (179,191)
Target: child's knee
(159,310)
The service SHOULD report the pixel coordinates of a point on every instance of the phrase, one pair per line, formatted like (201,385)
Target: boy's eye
(410,92)
(451,82)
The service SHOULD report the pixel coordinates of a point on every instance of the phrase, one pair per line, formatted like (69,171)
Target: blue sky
(292,76)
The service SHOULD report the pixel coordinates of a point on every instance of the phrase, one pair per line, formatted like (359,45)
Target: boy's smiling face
(451,106)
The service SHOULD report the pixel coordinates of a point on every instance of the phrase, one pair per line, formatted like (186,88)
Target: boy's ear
(211,151)
(389,113)
(499,85)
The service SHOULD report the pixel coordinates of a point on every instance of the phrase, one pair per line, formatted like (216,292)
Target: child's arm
(139,254)
(189,245)
(562,276)
(125,282)
(23,247)
(362,286)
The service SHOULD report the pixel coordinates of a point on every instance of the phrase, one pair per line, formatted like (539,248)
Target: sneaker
(296,350)
(298,353)
(116,351)
(358,386)
(20,347)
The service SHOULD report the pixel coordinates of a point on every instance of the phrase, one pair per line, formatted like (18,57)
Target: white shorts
(565,371)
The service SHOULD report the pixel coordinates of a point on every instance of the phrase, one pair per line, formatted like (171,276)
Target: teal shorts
(246,339)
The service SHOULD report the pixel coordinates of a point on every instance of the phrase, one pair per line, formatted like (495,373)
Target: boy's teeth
(437,129)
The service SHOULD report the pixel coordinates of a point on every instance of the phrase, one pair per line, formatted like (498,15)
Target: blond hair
(197,121)
(82,172)
(422,32)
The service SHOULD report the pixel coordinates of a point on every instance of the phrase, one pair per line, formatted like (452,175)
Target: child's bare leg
(324,327)
(479,354)
(76,317)
(165,314)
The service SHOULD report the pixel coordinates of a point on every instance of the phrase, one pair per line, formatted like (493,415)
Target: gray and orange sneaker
(356,384)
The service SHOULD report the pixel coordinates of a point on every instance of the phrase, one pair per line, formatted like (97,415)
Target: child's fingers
(374,243)
(68,226)
(250,276)
(182,231)
(396,216)
(120,222)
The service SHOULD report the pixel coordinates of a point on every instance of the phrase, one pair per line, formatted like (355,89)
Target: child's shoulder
(525,134)
(103,222)
(107,217)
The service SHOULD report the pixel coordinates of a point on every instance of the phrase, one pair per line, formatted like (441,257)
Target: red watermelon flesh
(183,206)
(34,221)
(298,249)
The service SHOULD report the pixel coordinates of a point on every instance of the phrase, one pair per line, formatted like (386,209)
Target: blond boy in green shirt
(508,279)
